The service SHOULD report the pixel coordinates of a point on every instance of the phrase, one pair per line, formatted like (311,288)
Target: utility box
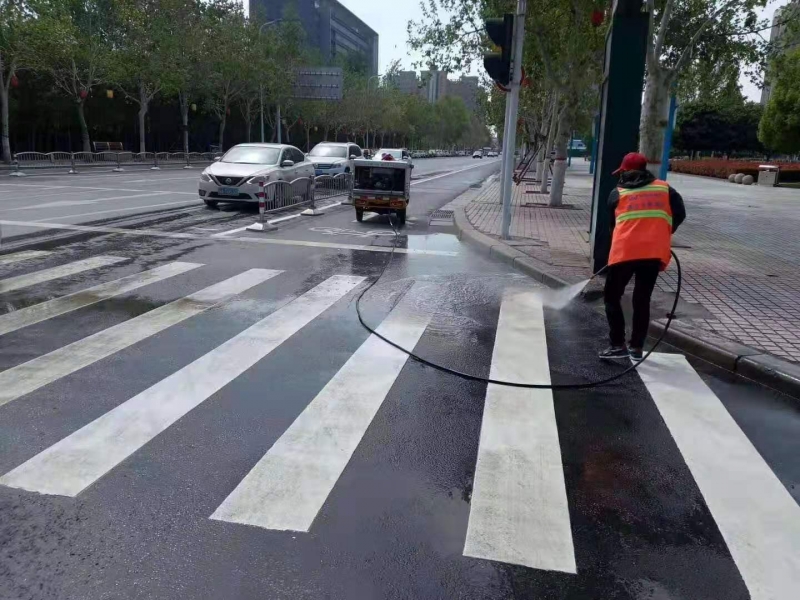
(768,175)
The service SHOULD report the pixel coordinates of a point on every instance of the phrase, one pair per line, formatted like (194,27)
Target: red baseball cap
(633,161)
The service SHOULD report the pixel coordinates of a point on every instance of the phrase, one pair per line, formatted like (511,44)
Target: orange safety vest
(643,228)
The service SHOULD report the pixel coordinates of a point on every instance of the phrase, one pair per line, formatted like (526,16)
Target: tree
(73,46)
(16,25)
(780,126)
(186,50)
(725,126)
(228,35)
(684,40)
(141,62)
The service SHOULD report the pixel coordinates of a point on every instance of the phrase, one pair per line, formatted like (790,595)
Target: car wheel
(211,203)
(401,216)
(359,214)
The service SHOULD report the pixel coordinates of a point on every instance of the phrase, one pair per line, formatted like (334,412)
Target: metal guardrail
(327,186)
(73,161)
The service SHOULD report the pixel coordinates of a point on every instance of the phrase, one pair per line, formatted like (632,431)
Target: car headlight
(204,177)
(257,179)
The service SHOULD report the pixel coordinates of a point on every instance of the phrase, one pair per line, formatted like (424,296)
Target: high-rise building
(465,88)
(407,82)
(329,26)
(435,85)
(778,31)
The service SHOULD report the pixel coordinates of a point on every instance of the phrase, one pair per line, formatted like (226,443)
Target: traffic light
(498,64)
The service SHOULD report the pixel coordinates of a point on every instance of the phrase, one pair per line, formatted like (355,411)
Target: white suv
(332,158)
(235,177)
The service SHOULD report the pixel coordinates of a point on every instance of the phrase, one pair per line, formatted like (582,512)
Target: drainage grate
(441,215)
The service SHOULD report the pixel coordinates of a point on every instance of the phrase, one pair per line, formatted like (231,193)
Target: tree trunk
(143,105)
(655,114)
(86,143)
(560,165)
(308,138)
(6,146)
(326,132)
(544,174)
(184,104)
(222,120)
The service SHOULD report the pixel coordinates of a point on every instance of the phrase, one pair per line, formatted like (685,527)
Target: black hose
(537,386)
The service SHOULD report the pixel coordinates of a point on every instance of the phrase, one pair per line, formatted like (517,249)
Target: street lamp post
(366,140)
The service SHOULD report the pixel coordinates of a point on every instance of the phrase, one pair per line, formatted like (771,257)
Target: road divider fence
(73,162)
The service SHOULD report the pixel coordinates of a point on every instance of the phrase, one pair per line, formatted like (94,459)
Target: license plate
(228,191)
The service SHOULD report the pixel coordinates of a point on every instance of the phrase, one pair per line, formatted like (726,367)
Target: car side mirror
(287,163)
(217,158)
(412,166)
(352,156)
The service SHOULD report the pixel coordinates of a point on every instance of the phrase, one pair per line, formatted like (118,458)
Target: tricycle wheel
(401,216)
(359,214)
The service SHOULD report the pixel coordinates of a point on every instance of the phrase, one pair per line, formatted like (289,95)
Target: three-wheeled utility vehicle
(381,186)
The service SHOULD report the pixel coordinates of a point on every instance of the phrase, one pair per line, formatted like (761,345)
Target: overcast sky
(389,19)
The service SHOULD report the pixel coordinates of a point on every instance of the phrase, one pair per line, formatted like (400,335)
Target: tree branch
(662,29)
(650,56)
(688,50)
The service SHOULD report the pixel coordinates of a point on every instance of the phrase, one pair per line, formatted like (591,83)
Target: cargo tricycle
(381,186)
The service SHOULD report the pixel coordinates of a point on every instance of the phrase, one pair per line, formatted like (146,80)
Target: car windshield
(329,151)
(396,154)
(251,155)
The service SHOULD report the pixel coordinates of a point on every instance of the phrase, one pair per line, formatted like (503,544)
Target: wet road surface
(190,416)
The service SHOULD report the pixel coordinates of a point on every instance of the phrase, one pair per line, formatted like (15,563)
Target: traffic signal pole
(512,106)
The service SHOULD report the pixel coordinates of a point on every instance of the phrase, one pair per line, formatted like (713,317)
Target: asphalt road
(218,424)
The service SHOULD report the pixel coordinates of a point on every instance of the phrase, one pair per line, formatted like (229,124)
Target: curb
(766,369)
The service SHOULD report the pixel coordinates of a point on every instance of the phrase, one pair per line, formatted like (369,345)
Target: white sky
(390,18)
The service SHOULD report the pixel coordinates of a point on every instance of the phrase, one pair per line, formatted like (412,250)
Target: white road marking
(418,181)
(289,485)
(159,180)
(10,259)
(77,461)
(273,221)
(519,511)
(58,306)
(79,266)
(65,203)
(120,210)
(756,515)
(69,187)
(45,369)
(248,240)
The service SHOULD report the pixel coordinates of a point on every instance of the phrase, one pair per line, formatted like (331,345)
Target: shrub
(722,169)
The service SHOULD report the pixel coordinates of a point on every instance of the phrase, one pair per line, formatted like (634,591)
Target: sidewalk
(739,249)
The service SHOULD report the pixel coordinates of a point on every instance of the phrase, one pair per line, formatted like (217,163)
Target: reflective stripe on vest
(643,224)
(644,214)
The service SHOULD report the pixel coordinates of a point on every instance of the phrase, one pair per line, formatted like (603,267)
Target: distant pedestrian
(645,212)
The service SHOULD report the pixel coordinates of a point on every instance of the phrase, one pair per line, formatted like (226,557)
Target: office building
(329,26)
(435,85)
(777,44)
(407,82)
(465,88)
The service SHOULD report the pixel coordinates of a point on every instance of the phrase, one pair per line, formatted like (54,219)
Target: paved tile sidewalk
(739,249)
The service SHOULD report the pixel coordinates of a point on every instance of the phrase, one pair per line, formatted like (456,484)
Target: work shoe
(635,354)
(614,352)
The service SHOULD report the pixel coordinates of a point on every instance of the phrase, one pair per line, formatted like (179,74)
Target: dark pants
(618,276)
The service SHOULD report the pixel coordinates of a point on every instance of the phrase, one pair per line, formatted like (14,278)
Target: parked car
(236,175)
(332,158)
(477,154)
(492,154)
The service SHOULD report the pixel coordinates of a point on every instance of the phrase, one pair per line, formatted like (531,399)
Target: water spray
(560,298)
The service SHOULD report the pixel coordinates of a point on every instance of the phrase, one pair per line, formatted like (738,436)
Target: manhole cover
(442,214)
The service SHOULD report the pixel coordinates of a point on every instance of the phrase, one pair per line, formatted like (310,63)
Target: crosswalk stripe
(756,515)
(287,488)
(22,281)
(71,465)
(10,259)
(47,368)
(58,306)
(519,511)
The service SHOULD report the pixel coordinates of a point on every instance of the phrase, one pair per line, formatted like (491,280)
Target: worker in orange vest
(645,212)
